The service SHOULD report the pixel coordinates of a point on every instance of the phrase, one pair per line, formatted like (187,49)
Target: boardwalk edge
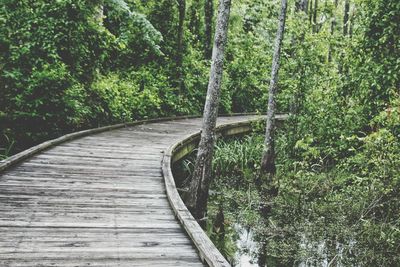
(8,162)
(208,252)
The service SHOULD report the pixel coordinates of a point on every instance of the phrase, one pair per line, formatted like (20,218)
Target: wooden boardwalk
(99,200)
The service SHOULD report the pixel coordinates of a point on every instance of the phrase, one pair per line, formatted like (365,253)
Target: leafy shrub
(51,95)
(124,100)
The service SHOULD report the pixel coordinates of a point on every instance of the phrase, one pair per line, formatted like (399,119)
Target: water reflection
(247,247)
(320,253)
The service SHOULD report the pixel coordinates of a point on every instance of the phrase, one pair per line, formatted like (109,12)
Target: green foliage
(196,71)
(52,99)
(63,67)
(71,64)
(121,100)
(249,55)
(375,60)
(50,52)
(347,215)
(236,157)
(137,38)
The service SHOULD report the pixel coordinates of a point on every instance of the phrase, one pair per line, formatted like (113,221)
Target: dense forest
(67,65)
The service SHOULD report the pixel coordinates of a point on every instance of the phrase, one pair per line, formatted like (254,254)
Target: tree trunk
(268,159)
(310,16)
(333,26)
(196,199)
(346,17)
(330,49)
(179,52)
(265,183)
(208,19)
(315,22)
(351,22)
(195,23)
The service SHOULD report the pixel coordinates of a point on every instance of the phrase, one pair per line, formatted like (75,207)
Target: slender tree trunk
(351,23)
(333,26)
(208,19)
(179,52)
(341,68)
(266,185)
(315,22)
(196,199)
(268,159)
(310,16)
(330,50)
(195,23)
(346,17)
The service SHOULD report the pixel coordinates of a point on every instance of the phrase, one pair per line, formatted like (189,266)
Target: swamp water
(311,250)
(247,248)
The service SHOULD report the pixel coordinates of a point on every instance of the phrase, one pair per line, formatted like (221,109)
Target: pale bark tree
(197,195)
(351,27)
(208,19)
(332,31)
(341,68)
(268,159)
(315,16)
(266,184)
(179,52)
(346,17)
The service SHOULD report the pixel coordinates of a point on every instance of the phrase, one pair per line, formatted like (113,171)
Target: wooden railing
(6,163)
(207,250)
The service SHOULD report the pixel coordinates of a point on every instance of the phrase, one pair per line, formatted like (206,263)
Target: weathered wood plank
(96,200)
(191,262)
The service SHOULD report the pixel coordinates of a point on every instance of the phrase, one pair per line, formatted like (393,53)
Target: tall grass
(237,158)
(8,144)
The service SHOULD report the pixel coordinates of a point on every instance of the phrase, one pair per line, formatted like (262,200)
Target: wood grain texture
(98,198)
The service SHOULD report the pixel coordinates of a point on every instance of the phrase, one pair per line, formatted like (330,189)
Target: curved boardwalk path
(98,200)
